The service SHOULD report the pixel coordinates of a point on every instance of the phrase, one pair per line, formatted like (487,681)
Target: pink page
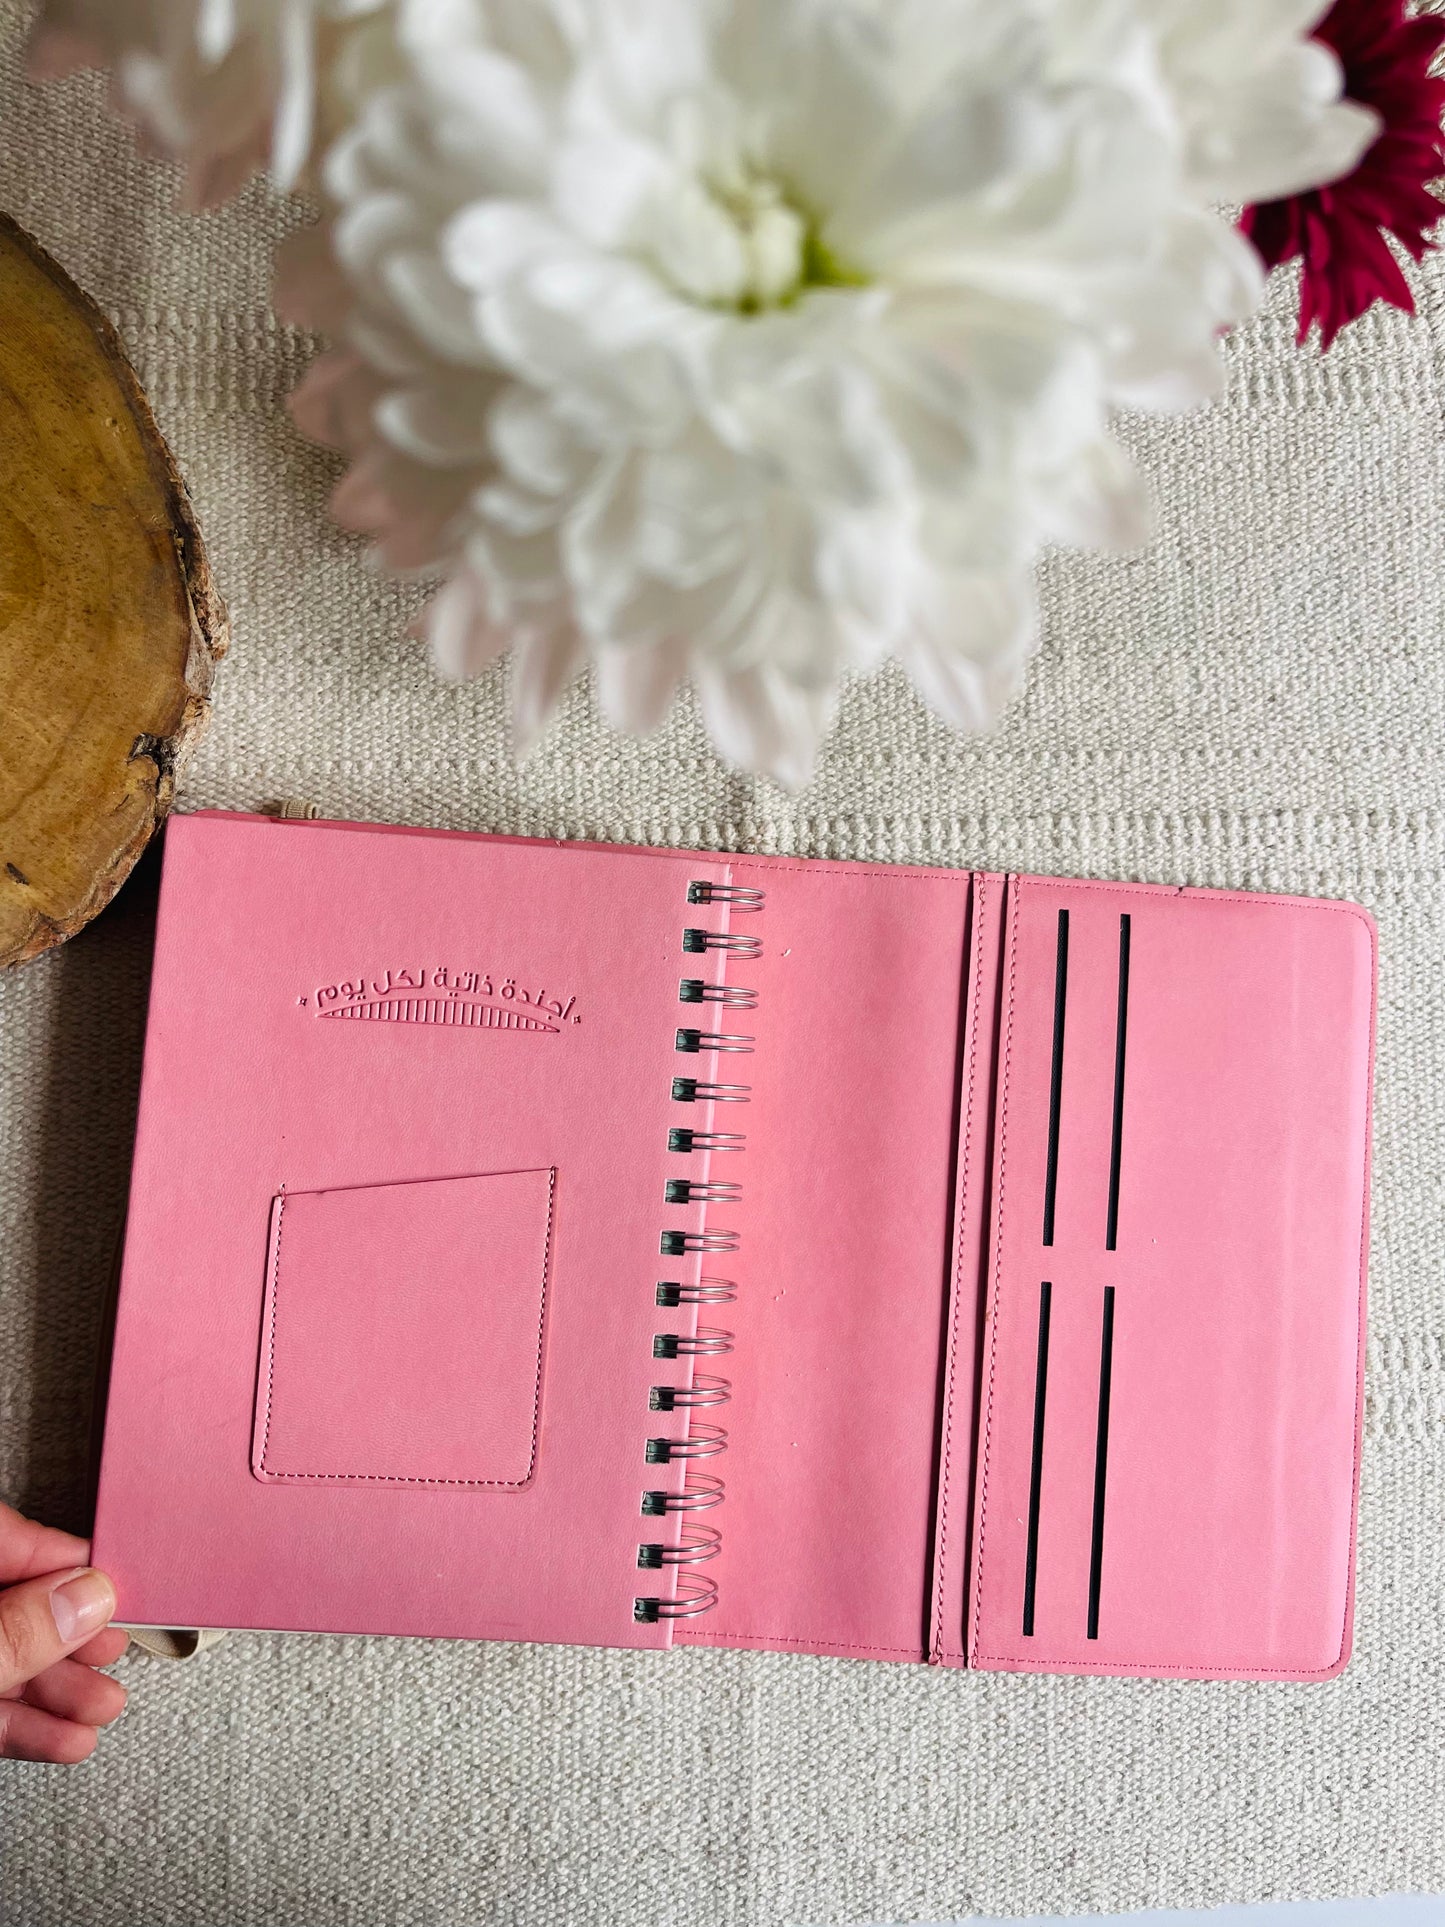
(842,1275)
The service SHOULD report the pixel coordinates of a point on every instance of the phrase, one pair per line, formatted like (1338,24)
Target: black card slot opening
(1101,1461)
(1056,1074)
(1121,1037)
(1036,1470)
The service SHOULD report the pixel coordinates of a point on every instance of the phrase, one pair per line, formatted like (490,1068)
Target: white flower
(751,342)
(226,85)
(1259,101)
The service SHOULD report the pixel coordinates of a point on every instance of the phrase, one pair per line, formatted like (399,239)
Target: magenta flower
(1341,233)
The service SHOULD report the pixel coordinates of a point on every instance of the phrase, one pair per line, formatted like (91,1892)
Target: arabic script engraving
(471,999)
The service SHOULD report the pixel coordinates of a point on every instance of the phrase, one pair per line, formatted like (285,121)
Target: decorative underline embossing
(438,1010)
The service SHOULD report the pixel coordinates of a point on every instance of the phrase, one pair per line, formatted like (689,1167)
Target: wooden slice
(109,620)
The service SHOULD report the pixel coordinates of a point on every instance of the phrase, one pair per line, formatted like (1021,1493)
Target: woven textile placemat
(1258,700)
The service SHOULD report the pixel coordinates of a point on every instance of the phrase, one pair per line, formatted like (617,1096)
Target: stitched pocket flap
(402,1334)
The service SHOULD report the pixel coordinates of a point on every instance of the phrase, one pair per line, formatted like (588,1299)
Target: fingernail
(82,1605)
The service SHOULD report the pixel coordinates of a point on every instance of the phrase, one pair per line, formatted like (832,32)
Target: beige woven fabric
(1259,700)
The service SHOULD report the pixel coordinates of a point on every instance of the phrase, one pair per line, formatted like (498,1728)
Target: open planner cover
(643,1247)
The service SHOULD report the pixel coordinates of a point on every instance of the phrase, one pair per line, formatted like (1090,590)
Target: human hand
(53,1635)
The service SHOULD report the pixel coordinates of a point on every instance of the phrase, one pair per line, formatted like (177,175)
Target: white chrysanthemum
(1257,98)
(225,85)
(754,341)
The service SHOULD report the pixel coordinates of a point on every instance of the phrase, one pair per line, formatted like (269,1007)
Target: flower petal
(635,687)
(464,640)
(334,401)
(544,665)
(761,722)
(969,644)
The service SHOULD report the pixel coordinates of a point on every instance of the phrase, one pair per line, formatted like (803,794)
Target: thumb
(44,1619)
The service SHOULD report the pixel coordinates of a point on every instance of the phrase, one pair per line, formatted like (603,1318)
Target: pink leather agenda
(274,941)
(1217,1537)
(900,1084)
(403,1335)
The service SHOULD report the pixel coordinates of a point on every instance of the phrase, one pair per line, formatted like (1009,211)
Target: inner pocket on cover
(403,1332)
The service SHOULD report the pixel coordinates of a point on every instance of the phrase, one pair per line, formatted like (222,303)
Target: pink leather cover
(381,1027)
(1199,1519)
(881,1426)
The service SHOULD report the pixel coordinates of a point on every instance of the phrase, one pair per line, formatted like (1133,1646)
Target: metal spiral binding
(707,1291)
(696,1090)
(708,1341)
(692,990)
(696,1592)
(705,1389)
(699,1491)
(695,1544)
(739,895)
(700,1190)
(702,1442)
(720,1042)
(684,1140)
(695,942)
(676,1244)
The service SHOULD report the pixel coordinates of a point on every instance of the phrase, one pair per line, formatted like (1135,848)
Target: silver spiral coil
(702,1442)
(705,1389)
(707,1341)
(695,1545)
(696,1593)
(692,990)
(707,1291)
(701,1191)
(679,1244)
(700,1490)
(698,1090)
(740,896)
(696,942)
(686,1140)
(721,1043)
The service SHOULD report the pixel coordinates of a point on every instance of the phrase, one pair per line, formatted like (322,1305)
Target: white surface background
(1258,700)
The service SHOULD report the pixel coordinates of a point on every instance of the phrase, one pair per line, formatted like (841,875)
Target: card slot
(1101,1460)
(1121,1037)
(1036,1471)
(1056,1074)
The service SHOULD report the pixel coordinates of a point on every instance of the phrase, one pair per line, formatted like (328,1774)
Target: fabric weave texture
(1257,700)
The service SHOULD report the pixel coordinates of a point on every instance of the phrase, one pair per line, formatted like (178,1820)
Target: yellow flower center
(783,247)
